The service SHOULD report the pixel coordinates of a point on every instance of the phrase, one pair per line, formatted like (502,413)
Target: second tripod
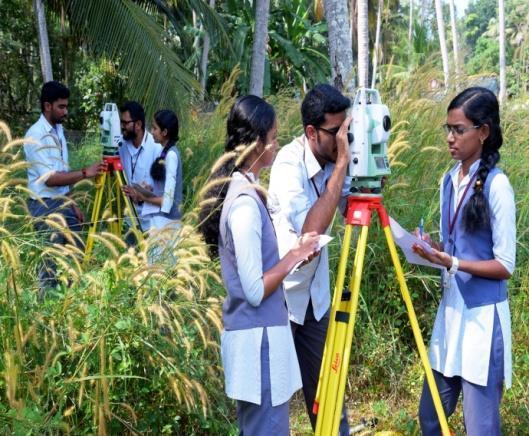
(109,188)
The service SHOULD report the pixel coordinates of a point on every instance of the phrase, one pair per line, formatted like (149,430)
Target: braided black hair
(480,106)
(250,119)
(165,119)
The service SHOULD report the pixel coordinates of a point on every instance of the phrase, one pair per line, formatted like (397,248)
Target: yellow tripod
(109,187)
(333,373)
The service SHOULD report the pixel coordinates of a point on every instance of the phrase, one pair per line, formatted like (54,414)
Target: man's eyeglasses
(125,122)
(458,130)
(332,132)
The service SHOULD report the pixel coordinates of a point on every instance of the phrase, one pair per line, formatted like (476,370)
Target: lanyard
(452,222)
(135,162)
(315,187)
(307,173)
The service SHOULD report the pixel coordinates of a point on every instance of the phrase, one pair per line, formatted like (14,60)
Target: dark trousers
(47,270)
(481,404)
(309,340)
(263,419)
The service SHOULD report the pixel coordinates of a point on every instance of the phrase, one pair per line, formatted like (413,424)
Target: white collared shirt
(137,161)
(47,156)
(169,186)
(296,182)
(137,164)
(241,349)
(462,337)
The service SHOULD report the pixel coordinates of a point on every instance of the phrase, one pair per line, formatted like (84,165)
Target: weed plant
(120,346)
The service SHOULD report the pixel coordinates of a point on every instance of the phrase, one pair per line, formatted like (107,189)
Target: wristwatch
(455,265)
(83,170)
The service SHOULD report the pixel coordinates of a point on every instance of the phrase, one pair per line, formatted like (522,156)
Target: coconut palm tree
(204,57)
(262,10)
(410,24)
(147,39)
(44,46)
(340,46)
(454,40)
(442,40)
(501,20)
(363,44)
(377,42)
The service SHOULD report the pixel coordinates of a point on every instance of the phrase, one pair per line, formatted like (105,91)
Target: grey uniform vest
(159,187)
(238,314)
(476,291)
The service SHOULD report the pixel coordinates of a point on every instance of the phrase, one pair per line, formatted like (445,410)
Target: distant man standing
(307,184)
(49,175)
(137,152)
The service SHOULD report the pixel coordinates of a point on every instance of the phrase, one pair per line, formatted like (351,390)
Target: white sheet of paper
(322,242)
(149,208)
(405,241)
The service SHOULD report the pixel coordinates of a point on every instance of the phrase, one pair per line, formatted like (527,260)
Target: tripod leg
(129,207)
(321,392)
(417,332)
(100,185)
(341,351)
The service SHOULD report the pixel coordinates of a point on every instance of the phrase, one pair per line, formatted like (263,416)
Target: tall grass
(121,346)
(128,347)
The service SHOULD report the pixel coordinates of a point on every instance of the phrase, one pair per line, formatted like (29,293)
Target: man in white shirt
(49,175)
(137,151)
(307,183)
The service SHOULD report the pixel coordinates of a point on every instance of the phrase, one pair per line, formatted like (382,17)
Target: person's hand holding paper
(409,245)
(323,241)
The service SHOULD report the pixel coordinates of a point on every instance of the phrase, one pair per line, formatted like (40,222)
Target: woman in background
(163,206)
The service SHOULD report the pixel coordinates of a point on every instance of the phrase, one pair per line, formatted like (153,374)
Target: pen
(421,227)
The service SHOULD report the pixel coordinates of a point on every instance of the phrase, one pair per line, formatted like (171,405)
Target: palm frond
(123,30)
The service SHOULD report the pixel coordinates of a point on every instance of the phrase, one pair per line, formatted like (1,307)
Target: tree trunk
(410,25)
(501,19)
(376,48)
(44,45)
(442,40)
(340,46)
(363,44)
(353,31)
(425,4)
(453,24)
(204,59)
(262,9)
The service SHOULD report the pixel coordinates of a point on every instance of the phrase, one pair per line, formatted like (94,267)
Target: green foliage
(481,36)
(297,54)
(120,346)
(96,83)
(477,19)
(19,69)
(486,56)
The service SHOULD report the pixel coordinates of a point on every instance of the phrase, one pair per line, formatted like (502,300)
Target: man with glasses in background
(137,152)
(307,183)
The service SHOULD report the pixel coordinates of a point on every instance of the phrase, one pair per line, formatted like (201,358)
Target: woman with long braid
(261,370)
(470,349)
(163,206)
